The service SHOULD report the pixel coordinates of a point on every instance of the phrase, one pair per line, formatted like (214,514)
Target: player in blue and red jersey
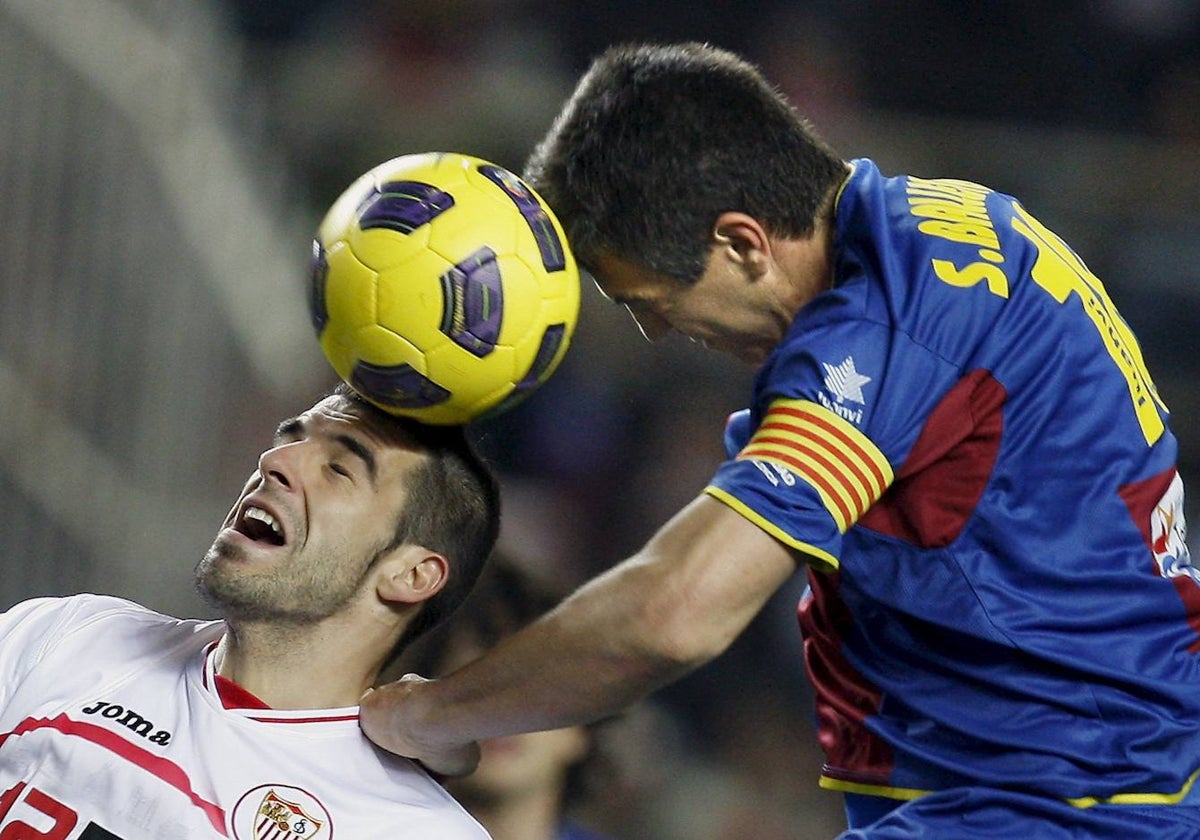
(952,428)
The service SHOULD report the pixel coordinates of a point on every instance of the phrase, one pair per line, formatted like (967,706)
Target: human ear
(745,240)
(412,574)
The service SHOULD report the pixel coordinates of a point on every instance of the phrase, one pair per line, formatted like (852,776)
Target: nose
(652,326)
(278,464)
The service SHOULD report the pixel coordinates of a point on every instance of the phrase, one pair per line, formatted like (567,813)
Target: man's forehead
(334,409)
(337,407)
(350,414)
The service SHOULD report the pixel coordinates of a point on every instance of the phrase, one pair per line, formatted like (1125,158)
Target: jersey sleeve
(29,630)
(834,416)
(805,476)
(32,630)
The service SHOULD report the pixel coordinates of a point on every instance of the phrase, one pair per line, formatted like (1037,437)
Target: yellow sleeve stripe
(1139,798)
(830,783)
(841,463)
(819,558)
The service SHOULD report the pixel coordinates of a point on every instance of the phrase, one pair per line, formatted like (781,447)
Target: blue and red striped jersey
(963,438)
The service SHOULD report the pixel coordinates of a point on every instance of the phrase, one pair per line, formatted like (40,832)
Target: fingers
(389,717)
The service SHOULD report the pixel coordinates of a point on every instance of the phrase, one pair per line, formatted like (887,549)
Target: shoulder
(83,610)
(54,617)
(94,622)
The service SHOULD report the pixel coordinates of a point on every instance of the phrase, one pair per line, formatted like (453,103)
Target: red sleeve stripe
(847,475)
(825,485)
(825,423)
(846,469)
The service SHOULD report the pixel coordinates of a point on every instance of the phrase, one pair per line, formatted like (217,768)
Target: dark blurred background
(165,162)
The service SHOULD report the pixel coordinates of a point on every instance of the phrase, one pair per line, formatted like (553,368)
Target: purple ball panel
(549,245)
(318,272)
(398,386)
(473,302)
(403,206)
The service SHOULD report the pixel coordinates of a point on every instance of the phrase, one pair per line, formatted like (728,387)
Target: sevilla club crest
(280,812)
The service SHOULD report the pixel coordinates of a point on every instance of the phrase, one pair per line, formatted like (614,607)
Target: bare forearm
(601,650)
(678,603)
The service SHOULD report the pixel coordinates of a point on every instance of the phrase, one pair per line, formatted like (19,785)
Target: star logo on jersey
(845,382)
(279,812)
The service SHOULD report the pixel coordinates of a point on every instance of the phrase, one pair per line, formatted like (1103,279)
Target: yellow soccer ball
(442,288)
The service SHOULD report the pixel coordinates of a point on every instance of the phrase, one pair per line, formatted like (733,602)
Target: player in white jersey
(355,534)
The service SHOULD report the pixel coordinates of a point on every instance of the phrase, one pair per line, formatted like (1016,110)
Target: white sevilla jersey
(111,727)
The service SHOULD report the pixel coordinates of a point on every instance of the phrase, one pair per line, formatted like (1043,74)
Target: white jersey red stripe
(112,725)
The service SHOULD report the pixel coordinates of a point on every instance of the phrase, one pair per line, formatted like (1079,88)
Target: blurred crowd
(354,81)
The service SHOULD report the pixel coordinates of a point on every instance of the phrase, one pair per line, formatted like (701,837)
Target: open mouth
(260,525)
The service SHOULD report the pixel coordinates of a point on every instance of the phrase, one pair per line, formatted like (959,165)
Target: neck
(808,261)
(822,238)
(302,666)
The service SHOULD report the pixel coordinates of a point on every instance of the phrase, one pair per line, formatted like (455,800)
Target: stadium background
(164,163)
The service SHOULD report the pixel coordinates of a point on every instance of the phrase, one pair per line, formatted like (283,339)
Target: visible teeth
(264,517)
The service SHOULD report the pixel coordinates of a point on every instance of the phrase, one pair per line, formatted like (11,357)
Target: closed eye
(361,452)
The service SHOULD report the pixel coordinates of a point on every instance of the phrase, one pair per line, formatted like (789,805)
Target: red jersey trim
(237,699)
(233,696)
(279,718)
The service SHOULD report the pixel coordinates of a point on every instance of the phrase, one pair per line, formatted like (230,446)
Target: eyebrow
(294,427)
(289,428)
(363,453)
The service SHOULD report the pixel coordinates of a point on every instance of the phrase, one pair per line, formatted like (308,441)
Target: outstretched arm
(673,606)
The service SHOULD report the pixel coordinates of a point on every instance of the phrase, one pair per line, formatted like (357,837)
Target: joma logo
(131,720)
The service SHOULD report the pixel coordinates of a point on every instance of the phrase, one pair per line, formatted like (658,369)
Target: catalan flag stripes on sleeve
(837,460)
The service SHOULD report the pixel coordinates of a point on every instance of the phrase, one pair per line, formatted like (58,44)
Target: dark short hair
(657,141)
(452,507)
